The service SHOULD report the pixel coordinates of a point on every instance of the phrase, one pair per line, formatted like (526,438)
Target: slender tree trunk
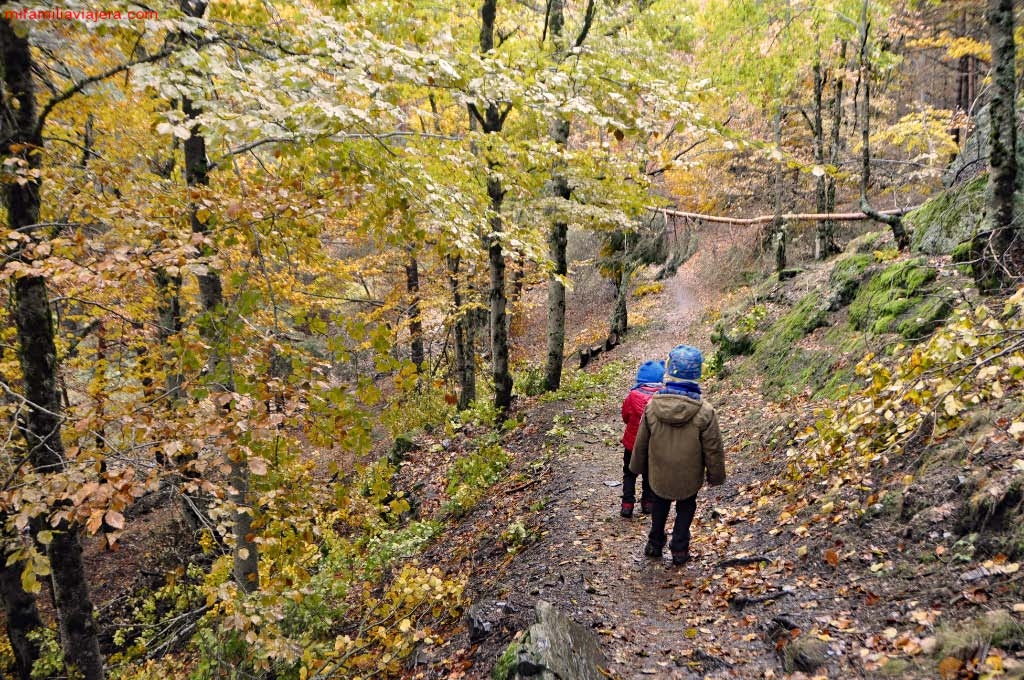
(1000,251)
(492,122)
(619,322)
(558,236)
(21,615)
(821,245)
(778,224)
(499,327)
(169,316)
(895,222)
(20,611)
(465,365)
(963,74)
(211,296)
(557,241)
(412,287)
(37,354)
(829,226)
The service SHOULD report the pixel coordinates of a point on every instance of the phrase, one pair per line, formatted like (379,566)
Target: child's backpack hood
(674,409)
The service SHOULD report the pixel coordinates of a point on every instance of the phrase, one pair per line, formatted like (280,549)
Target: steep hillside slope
(871,521)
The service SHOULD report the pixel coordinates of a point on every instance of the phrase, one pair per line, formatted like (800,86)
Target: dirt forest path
(653,619)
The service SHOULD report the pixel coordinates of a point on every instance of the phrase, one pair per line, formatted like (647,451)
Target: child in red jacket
(648,383)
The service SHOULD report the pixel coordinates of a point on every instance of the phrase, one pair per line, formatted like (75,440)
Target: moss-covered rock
(923,318)
(865,243)
(508,663)
(949,219)
(788,369)
(845,278)
(899,293)
(997,628)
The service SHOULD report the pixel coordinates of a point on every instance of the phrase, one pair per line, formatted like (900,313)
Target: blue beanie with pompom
(650,372)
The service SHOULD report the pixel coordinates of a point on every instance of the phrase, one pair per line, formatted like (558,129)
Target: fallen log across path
(765,219)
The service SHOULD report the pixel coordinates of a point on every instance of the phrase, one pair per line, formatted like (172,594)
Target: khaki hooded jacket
(678,440)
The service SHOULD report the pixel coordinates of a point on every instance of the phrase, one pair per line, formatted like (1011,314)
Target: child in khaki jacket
(678,442)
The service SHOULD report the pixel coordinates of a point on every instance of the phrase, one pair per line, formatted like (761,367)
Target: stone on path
(554,648)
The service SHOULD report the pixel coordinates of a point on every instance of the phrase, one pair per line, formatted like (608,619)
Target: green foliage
(997,628)
(736,338)
(925,389)
(470,476)
(561,426)
(480,413)
(583,388)
(50,663)
(178,599)
(529,381)
(423,408)
(391,545)
(648,289)
(506,666)
(515,536)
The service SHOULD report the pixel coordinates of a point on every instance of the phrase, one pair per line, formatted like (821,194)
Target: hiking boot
(646,507)
(680,558)
(626,510)
(651,550)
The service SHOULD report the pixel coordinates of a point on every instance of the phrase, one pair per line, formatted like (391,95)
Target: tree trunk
(1000,251)
(499,328)
(619,322)
(778,224)
(895,222)
(828,229)
(412,287)
(22,616)
(169,315)
(558,236)
(556,304)
(211,295)
(37,354)
(821,246)
(465,365)
(492,122)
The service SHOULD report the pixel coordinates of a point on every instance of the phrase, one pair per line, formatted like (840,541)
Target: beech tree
(999,251)
(22,126)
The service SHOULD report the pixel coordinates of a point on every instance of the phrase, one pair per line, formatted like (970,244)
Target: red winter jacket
(633,409)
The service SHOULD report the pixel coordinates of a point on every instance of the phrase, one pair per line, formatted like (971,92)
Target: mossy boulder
(997,628)
(900,299)
(949,219)
(789,369)
(845,278)
(865,243)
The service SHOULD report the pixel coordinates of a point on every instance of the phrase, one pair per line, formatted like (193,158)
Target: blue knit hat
(684,363)
(650,372)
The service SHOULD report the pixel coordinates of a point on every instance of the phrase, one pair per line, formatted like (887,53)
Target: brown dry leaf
(976,595)
(832,557)
(950,667)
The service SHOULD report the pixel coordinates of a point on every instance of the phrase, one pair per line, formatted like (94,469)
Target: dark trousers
(629,482)
(685,510)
